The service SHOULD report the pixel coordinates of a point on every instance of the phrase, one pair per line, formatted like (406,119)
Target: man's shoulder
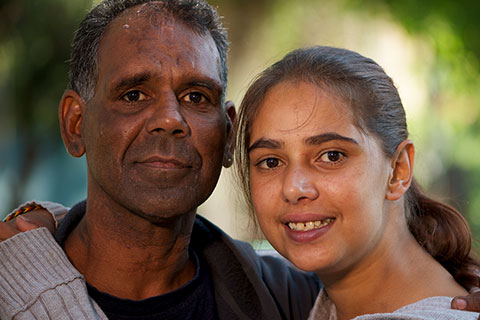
(268,264)
(209,238)
(253,282)
(42,272)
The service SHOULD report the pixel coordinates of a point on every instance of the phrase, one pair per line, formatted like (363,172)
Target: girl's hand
(26,222)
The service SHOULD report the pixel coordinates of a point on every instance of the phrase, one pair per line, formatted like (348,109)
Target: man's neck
(129,257)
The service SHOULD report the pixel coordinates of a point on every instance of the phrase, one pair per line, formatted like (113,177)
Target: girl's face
(318,182)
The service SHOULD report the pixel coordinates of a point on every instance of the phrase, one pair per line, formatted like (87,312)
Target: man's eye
(269,163)
(195,97)
(332,157)
(134,96)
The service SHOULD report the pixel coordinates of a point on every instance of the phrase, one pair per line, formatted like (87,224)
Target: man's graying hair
(195,14)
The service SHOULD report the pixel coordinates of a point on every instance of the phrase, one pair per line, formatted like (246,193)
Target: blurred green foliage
(34,49)
(34,52)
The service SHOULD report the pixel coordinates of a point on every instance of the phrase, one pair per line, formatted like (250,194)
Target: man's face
(155,130)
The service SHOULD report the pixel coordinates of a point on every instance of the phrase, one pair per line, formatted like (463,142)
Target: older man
(146,106)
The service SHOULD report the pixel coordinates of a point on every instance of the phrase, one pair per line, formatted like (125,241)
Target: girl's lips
(309,225)
(304,217)
(308,231)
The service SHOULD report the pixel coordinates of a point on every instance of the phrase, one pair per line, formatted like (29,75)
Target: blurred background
(431,49)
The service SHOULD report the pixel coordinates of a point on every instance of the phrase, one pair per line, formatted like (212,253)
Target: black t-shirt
(194,300)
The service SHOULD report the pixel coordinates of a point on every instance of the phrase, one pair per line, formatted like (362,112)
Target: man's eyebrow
(132,81)
(265,143)
(209,83)
(324,137)
(206,83)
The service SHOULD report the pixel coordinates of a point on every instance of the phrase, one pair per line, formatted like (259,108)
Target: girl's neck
(390,278)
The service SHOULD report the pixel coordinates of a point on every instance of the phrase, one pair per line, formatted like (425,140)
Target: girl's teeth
(309,225)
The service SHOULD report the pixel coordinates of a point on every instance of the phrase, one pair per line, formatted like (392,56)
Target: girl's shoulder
(437,308)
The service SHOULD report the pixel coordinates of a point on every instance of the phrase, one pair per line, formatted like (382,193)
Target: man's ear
(70,114)
(402,171)
(230,114)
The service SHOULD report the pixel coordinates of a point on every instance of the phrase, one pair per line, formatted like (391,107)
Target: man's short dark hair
(196,14)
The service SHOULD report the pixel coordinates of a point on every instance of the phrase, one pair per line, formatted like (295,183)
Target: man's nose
(168,117)
(299,186)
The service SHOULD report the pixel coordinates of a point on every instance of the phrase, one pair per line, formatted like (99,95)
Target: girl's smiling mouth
(309,225)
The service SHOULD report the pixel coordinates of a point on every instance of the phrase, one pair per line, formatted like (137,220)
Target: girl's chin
(310,264)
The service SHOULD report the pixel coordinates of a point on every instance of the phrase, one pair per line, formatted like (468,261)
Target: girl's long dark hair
(444,233)
(378,110)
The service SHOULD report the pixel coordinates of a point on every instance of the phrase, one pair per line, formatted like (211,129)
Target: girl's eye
(332,156)
(195,97)
(269,163)
(134,96)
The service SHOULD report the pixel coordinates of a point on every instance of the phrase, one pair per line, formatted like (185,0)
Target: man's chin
(164,209)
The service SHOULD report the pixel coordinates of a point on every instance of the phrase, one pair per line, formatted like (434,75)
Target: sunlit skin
(309,162)
(154,134)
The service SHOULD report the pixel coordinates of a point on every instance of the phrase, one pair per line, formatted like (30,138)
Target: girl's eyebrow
(324,137)
(265,143)
(313,140)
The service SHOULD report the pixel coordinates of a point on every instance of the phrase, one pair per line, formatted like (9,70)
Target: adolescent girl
(324,155)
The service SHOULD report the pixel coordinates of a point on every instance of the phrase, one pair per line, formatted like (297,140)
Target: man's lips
(164,163)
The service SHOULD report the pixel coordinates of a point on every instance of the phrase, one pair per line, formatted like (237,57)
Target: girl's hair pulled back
(377,110)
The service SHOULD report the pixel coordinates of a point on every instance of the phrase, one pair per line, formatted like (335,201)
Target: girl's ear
(70,114)
(402,173)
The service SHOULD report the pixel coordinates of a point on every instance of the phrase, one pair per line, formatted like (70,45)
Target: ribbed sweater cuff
(31,263)
(57,210)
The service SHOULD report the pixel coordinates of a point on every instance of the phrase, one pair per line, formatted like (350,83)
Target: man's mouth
(166,163)
(309,225)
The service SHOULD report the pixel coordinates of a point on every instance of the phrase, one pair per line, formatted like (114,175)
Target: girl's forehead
(298,106)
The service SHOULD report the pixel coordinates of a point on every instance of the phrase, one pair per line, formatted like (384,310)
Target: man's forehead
(148,26)
(154,12)
(152,15)
(156,42)
(152,22)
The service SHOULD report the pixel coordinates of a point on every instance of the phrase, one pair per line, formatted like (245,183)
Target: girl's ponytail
(444,233)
